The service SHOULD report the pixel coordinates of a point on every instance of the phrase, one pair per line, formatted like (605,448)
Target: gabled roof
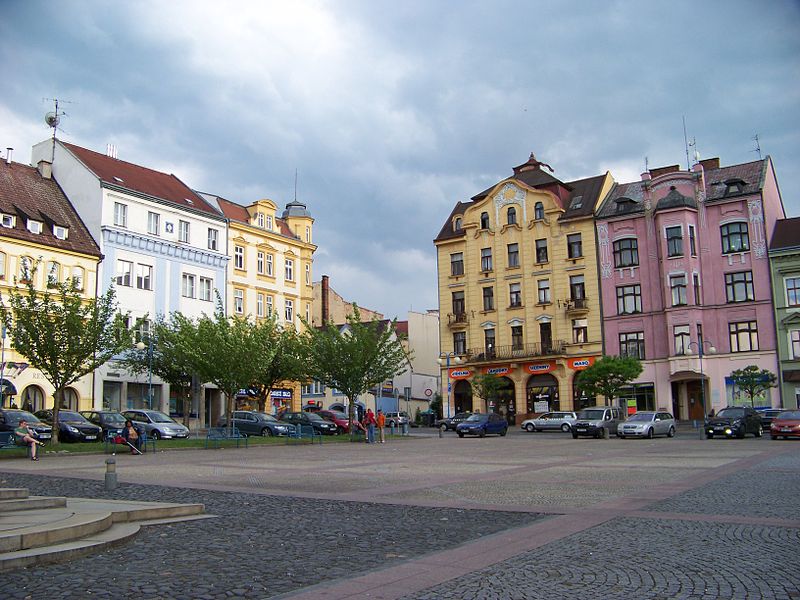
(751,175)
(25,194)
(786,234)
(128,176)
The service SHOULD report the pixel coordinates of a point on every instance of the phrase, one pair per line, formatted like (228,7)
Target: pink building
(685,281)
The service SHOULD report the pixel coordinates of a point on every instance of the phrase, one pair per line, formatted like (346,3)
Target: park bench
(217,435)
(147,443)
(304,432)
(8,441)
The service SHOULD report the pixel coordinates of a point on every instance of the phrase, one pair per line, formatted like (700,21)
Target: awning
(7,388)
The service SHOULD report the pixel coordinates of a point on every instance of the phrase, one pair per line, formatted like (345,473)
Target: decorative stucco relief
(757,241)
(605,251)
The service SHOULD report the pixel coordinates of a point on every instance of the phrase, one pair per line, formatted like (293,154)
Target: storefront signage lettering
(285,394)
(579,364)
(497,370)
(539,367)
(460,373)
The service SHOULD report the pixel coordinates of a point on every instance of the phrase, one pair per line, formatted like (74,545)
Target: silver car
(156,424)
(647,424)
(562,420)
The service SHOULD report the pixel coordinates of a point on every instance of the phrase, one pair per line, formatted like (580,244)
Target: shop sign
(498,370)
(281,394)
(631,406)
(537,368)
(579,364)
(460,373)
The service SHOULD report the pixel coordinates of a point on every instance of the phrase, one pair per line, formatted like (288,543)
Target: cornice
(128,239)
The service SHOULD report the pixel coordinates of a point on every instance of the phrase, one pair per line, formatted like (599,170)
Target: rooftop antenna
(758,146)
(686,143)
(695,153)
(295,184)
(53,119)
(646,164)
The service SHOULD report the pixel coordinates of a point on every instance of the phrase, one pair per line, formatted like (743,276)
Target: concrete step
(32,503)
(13,493)
(51,529)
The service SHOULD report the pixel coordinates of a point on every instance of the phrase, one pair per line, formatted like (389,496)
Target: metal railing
(520,351)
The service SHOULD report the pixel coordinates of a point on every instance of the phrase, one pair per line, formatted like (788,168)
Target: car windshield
(789,414)
(641,416)
(477,418)
(12,418)
(592,415)
(314,417)
(731,413)
(68,415)
(114,418)
(336,414)
(266,417)
(159,417)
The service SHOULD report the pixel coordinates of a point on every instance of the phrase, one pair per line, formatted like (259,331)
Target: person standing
(369,422)
(25,438)
(381,422)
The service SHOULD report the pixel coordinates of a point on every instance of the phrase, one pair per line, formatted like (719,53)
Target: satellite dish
(51,119)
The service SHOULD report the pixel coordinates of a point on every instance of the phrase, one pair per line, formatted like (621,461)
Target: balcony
(576,306)
(521,352)
(457,320)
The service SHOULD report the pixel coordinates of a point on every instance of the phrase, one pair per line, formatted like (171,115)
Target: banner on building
(579,364)
(460,373)
(538,368)
(499,371)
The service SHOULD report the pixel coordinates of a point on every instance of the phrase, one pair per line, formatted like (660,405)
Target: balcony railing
(577,305)
(456,319)
(514,352)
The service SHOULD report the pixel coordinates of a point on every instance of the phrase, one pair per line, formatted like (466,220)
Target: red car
(786,425)
(337,417)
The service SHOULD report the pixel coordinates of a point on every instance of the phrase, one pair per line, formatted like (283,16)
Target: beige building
(330,306)
(518,292)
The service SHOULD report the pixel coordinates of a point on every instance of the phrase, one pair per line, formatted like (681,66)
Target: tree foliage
(61,333)
(608,375)
(280,358)
(753,381)
(487,386)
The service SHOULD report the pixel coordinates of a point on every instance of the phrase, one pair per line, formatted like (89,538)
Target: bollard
(111,474)
(405,428)
(391,428)
(441,431)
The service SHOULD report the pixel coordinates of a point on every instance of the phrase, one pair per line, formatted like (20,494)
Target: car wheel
(741,433)
(759,431)
(482,433)
(155,434)
(671,432)
(443,427)
(603,433)
(530,428)
(461,435)
(574,436)
(504,432)
(650,434)
(709,436)
(565,427)
(266,432)
(620,436)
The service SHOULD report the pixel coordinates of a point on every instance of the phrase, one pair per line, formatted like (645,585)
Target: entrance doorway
(503,403)
(462,397)
(541,392)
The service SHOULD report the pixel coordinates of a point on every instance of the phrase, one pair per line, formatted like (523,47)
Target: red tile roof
(786,234)
(237,212)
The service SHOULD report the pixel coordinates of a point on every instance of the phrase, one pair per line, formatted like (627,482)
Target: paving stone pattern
(261,546)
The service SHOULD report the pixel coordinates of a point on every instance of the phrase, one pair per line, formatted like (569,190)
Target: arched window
(485,220)
(77,275)
(512,215)
(2,265)
(538,211)
(53,272)
(32,398)
(457,224)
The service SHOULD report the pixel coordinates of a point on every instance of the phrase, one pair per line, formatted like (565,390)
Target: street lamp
(141,346)
(700,353)
(446,356)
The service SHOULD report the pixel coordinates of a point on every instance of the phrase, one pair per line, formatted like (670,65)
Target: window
(486,259)
(674,241)
(485,220)
(541,251)
(574,245)
(488,298)
(580,331)
(269,264)
(794,343)
(289,312)
(538,211)
(53,272)
(144,277)
(629,299)
(25,268)
(696,287)
(488,340)
(516,337)
(515,294)
(259,305)
(8,220)
(268,225)
(308,312)
(577,289)
(269,305)
(124,273)
(734,238)
(692,241)
(513,255)
(308,238)
(792,291)
(743,336)
(205,289)
(153,223)
(511,215)
(2,265)
(460,342)
(183,231)
(632,344)
(78,277)
(60,232)
(739,286)
(143,332)
(543,286)
(289,270)
(457,263)
(120,214)
(213,239)
(677,284)
(626,253)
(576,203)
(238,257)
(458,303)
(260,263)
(187,286)
(457,224)
(308,274)
(34,226)
(680,334)
(260,220)
(238,301)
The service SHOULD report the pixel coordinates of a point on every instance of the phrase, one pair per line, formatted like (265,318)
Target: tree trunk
(351,418)
(58,397)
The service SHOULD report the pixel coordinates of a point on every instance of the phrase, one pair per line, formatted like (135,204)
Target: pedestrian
(25,437)
(369,422)
(132,437)
(381,422)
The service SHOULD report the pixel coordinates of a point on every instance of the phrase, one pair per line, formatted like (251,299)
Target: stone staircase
(38,530)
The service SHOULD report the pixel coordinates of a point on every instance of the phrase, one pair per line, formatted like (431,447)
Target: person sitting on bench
(25,437)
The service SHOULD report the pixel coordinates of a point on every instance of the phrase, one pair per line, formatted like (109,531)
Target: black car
(768,414)
(319,424)
(452,422)
(10,418)
(252,422)
(72,426)
(110,421)
(735,421)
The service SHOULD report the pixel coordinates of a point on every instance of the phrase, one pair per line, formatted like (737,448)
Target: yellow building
(38,224)
(518,292)
(270,269)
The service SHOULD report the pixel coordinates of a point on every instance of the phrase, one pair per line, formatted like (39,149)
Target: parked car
(597,421)
(251,422)
(647,423)
(156,424)
(10,418)
(397,419)
(72,426)
(110,421)
(551,421)
(481,424)
(767,415)
(306,418)
(337,417)
(734,421)
(452,422)
(785,425)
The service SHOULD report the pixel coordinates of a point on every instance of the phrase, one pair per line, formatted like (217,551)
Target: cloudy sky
(392,111)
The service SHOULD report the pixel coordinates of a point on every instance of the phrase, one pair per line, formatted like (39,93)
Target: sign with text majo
(499,371)
(537,368)
(579,364)
(460,373)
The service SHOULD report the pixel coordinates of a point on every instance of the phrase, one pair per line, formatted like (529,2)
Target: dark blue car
(481,424)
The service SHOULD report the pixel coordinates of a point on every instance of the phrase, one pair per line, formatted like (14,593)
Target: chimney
(8,155)
(710,163)
(45,168)
(325,300)
(664,170)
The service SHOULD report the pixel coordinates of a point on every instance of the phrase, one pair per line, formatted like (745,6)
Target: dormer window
(260,220)
(119,179)
(624,204)
(60,232)
(576,203)
(8,220)
(268,223)
(734,186)
(538,211)
(485,220)
(457,224)
(34,226)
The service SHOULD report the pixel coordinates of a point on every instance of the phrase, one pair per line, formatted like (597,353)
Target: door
(546,337)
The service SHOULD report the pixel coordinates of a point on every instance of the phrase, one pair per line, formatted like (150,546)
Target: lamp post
(446,356)
(141,346)
(700,353)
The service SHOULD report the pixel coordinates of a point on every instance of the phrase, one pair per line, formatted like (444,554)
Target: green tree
(61,333)
(753,381)
(487,386)
(436,405)
(356,358)
(280,358)
(608,375)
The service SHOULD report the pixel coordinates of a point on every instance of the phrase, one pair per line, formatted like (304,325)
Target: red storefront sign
(538,368)
(460,373)
(499,371)
(579,364)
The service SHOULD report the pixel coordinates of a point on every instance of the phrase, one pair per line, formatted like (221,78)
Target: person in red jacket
(369,423)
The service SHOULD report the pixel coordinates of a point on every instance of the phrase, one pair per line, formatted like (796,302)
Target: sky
(391,112)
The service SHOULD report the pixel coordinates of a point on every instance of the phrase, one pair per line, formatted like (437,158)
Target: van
(396,419)
(598,421)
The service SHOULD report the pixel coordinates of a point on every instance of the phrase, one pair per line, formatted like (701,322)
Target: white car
(647,424)
(563,420)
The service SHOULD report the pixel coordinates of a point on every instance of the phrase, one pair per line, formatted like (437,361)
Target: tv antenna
(686,143)
(53,118)
(758,146)
(695,152)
